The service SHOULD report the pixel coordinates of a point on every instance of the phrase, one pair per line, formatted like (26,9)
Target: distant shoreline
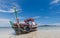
(5,27)
(39,26)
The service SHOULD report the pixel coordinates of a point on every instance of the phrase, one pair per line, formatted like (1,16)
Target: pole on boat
(16,15)
(17,20)
(15,12)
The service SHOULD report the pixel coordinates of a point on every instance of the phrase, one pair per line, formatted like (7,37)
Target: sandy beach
(36,34)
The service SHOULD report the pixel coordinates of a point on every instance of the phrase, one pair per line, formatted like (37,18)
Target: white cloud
(54,2)
(8,11)
(58,12)
(4,22)
(38,24)
(36,17)
(21,17)
(46,17)
(7,5)
(56,24)
(41,24)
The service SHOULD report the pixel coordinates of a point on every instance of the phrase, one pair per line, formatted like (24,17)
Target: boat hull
(23,31)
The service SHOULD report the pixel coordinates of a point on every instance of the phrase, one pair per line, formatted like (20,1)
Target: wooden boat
(26,27)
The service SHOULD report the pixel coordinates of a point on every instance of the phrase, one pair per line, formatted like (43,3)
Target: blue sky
(43,11)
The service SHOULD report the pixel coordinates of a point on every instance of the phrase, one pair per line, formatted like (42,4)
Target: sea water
(49,28)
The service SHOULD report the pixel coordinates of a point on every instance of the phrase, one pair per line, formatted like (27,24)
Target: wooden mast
(17,20)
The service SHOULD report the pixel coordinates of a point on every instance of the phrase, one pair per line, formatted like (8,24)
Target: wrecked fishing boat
(29,25)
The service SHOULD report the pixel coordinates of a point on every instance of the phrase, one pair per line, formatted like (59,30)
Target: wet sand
(35,34)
